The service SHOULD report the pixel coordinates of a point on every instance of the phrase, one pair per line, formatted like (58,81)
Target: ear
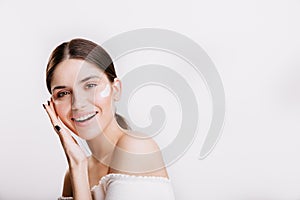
(117,89)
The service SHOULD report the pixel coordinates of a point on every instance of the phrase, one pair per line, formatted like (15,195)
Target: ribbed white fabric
(131,187)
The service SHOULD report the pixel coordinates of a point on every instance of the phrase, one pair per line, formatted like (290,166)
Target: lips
(85,117)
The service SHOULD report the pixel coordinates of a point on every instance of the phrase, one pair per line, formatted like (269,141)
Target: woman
(124,165)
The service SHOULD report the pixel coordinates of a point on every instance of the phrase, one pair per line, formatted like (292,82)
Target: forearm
(80,183)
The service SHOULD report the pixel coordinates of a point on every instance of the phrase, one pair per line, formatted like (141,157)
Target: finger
(67,140)
(69,144)
(52,105)
(51,113)
(64,135)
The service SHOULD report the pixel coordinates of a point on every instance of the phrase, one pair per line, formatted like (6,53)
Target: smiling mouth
(85,117)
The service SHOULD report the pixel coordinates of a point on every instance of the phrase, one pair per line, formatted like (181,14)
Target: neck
(103,145)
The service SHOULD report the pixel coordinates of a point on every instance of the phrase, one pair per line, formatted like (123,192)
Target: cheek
(103,96)
(62,110)
(105,92)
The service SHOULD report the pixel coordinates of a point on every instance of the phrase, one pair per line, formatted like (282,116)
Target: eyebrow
(82,81)
(58,87)
(88,78)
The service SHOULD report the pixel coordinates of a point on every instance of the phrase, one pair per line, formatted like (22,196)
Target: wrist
(78,173)
(78,167)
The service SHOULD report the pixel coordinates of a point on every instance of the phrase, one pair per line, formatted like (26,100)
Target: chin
(88,134)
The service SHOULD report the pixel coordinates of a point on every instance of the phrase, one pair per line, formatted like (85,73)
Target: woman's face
(83,97)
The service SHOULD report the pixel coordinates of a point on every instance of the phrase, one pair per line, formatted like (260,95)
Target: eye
(62,94)
(90,85)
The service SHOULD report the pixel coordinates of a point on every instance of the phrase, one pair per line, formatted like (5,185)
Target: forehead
(71,71)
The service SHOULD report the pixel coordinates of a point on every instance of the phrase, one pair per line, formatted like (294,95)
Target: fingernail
(48,103)
(57,128)
(44,106)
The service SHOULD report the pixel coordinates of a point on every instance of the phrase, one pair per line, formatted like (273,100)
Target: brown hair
(88,51)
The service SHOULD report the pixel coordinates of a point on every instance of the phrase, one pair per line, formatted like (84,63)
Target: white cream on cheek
(106,91)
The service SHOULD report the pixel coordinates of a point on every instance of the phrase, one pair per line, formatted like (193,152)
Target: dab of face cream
(106,91)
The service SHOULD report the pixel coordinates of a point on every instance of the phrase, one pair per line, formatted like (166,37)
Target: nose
(78,101)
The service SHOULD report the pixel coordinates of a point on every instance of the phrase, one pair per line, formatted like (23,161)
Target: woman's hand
(75,156)
(77,160)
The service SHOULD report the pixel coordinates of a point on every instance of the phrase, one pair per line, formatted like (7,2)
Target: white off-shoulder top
(131,187)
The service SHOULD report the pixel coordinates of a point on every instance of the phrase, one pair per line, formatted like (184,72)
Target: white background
(255,46)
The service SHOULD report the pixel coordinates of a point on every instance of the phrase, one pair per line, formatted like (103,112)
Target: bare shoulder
(138,155)
(137,143)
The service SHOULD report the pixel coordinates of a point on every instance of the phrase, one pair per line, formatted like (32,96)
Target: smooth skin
(110,144)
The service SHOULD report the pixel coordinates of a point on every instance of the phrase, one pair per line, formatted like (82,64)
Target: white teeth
(85,117)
